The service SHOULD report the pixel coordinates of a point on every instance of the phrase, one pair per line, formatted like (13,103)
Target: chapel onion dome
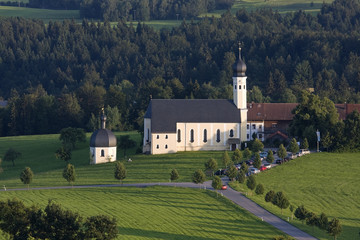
(239,67)
(103,137)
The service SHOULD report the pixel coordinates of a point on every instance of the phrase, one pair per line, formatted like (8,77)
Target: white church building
(172,125)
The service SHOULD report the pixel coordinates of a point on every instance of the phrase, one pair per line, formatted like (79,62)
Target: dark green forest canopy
(82,67)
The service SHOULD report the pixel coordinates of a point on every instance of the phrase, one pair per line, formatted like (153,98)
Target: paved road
(231,194)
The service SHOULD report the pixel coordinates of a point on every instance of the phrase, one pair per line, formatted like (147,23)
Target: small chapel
(103,144)
(172,125)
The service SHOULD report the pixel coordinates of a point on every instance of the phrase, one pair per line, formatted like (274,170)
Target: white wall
(96,157)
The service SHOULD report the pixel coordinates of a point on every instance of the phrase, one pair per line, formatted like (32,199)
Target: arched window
(218,135)
(205,135)
(166,136)
(235,86)
(157,146)
(231,133)
(192,135)
(102,153)
(179,136)
(166,146)
(148,135)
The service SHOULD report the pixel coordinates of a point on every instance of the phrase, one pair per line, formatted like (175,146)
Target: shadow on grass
(156,234)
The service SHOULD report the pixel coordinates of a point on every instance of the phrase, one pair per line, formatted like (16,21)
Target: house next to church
(172,125)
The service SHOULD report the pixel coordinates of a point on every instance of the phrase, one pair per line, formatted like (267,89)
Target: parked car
(262,168)
(267,165)
(304,151)
(249,162)
(279,161)
(220,172)
(254,170)
(263,155)
(224,187)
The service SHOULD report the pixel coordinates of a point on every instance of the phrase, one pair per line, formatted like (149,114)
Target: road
(231,194)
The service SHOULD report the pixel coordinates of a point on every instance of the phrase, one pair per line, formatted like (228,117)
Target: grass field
(322,182)
(158,212)
(42,14)
(38,152)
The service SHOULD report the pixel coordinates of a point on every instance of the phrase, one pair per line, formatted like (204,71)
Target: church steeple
(239,82)
(103,119)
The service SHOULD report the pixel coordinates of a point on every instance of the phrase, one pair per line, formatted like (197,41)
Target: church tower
(239,92)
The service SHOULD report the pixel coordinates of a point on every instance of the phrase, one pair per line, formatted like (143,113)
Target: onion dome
(239,67)
(103,137)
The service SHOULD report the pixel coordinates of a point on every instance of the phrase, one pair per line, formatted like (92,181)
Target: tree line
(144,10)
(65,72)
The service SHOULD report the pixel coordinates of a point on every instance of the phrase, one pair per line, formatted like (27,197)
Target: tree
(257,160)
(226,159)
(211,165)
(174,175)
(311,219)
(101,227)
(216,183)
(125,142)
(326,141)
(301,213)
(70,136)
(26,176)
(244,167)
(241,176)
(251,182)
(69,173)
(259,189)
(237,156)
(281,201)
(63,153)
(292,208)
(323,221)
(257,146)
(293,147)
(270,157)
(334,228)
(282,152)
(304,144)
(269,196)
(232,172)
(11,155)
(120,171)
(199,176)
(247,154)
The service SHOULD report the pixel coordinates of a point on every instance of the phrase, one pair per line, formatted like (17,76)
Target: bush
(259,189)
(241,177)
(269,196)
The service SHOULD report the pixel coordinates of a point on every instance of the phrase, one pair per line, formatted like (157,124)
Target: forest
(144,10)
(61,74)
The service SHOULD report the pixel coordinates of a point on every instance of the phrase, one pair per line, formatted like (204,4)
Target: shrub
(269,196)
(259,189)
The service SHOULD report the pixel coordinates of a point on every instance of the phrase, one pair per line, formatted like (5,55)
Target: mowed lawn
(157,212)
(38,153)
(322,182)
(43,14)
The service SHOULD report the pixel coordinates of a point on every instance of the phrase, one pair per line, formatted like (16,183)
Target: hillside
(322,182)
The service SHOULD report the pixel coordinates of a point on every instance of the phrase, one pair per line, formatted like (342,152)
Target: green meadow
(45,15)
(38,153)
(142,213)
(157,212)
(322,182)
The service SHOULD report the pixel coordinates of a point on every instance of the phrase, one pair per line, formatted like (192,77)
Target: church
(172,125)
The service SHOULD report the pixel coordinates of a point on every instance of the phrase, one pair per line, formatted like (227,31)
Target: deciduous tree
(11,155)
(270,157)
(125,142)
(232,172)
(100,227)
(269,196)
(211,165)
(69,173)
(216,183)
(293,147)
(247,154)
(199,176)
(257,160)
(259,189)
(281,152)
(26,176)
(281,201)
(70,136)
(120,171)
(174,175)
(225,159)
(237,156)
(63,153)
(251,182)
(334,228)
(301,213)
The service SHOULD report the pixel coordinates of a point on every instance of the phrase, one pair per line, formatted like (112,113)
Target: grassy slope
(38,154)
(322,182)
(158,212)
